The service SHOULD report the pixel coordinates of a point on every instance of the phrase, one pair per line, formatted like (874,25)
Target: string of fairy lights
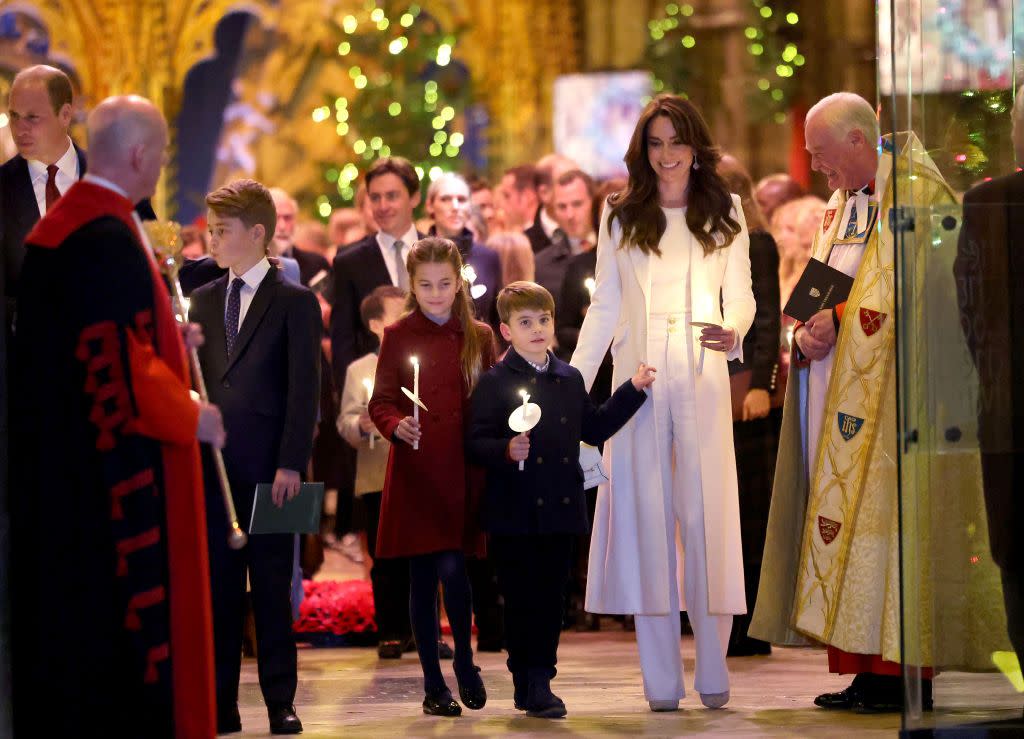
(404,95)
(771,34)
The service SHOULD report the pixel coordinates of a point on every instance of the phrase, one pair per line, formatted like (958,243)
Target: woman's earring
(696,165)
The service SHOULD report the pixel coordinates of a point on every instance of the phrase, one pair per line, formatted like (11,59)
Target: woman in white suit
(673,290)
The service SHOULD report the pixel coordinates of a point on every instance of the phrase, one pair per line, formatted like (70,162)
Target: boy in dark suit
(533,516)
(261,361)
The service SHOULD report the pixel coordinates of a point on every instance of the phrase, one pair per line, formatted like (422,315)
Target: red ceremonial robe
(108,460)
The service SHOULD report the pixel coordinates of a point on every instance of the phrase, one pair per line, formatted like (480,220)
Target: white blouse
(670,273)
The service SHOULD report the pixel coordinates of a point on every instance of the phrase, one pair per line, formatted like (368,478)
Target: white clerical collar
(68,163)
(386,241)
(255,274)
(104,182)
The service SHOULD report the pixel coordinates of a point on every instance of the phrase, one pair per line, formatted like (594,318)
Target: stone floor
(350,693)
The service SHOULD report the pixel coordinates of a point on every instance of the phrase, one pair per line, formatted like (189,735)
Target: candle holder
(524,418)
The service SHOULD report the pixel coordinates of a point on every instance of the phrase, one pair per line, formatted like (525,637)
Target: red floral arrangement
(338,608)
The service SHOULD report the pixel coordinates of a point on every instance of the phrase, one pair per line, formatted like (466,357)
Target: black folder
(820,287)
(300,515)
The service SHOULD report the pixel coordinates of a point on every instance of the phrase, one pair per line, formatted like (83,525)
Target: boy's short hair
(372,307)
(522,295)
(247,200)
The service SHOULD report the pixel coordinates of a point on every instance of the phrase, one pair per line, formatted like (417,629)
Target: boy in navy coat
(533,516)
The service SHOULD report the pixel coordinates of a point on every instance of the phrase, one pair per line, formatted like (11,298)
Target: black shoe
(390,650)
(228,720)
(745,646)
(444,651)
(844,700)
(520,690)
(471,689)
(284,721)
(885,695)
(441,703)
(541,702)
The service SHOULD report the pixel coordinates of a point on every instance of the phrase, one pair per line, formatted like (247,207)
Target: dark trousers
(487,611)
(267,559)
(532,575)
(390,581)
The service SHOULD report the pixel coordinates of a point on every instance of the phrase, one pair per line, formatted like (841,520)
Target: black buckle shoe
(284,721)
(441,703)
(471,689)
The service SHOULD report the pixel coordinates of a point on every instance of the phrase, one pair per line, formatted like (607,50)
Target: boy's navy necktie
(233,311)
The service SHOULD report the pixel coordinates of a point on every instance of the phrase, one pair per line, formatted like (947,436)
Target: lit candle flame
(590,284)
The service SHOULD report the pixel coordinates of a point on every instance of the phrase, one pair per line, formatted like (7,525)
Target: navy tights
(425,571)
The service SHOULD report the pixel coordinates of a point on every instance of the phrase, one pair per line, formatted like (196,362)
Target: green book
(300,515)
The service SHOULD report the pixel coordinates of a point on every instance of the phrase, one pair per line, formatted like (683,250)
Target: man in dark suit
(261,361)
(517,195)
(573,234)
(47,163)
(988,269)
(393,189)
(310,263)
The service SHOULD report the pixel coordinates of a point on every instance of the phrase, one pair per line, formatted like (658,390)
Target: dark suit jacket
(761,344)
(268,390)
(547,496)
(539,239)
(988,269)
(19,212)
(574,300)
(358,270)
(310,263)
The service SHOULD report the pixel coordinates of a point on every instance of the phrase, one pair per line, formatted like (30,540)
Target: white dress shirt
(547,223)
(67,175)
(252,279)
(386,242)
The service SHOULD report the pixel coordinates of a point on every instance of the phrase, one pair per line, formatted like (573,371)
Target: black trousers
(532,573)
(487,611)
(390,581)
(267,559)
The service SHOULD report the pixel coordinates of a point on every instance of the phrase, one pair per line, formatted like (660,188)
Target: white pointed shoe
(661,706)
(714,700)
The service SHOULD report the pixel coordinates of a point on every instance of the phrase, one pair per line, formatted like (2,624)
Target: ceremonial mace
(165,238)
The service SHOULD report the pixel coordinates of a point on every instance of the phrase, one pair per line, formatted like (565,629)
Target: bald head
(127,143)
(841,133)
(40,112)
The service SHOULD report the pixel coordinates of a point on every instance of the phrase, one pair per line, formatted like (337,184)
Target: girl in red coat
(429,508)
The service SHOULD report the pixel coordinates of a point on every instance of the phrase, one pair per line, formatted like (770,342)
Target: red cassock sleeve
(164,407)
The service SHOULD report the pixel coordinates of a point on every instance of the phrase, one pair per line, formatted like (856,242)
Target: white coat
(628,572)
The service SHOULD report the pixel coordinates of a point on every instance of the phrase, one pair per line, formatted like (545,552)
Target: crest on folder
(830,215)
(871,321)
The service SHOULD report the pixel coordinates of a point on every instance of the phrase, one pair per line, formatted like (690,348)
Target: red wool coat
(431,500)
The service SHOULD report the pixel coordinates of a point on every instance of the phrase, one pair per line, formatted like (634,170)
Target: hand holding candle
(414,396)
(523,418)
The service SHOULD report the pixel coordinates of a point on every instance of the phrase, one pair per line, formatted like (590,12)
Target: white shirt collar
(386,241)
(68,163)
(255,274)
(104,182)
(548,223)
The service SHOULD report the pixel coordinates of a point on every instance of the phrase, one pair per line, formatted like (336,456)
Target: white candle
(416,393)
(526,400)
(368,384)
(590,285)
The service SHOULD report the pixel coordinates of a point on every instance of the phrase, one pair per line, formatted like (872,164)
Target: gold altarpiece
(513,50)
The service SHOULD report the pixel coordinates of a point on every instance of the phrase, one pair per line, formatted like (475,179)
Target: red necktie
(52,193)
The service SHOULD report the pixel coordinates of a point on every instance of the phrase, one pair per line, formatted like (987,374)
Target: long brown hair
(709,204)
(737,179)
(436,250)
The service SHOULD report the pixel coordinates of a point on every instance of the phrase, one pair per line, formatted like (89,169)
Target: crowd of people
(383,353)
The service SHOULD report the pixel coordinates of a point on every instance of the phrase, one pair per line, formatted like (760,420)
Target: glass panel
(946,74)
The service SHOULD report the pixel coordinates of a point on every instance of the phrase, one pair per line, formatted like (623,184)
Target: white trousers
(675,413)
